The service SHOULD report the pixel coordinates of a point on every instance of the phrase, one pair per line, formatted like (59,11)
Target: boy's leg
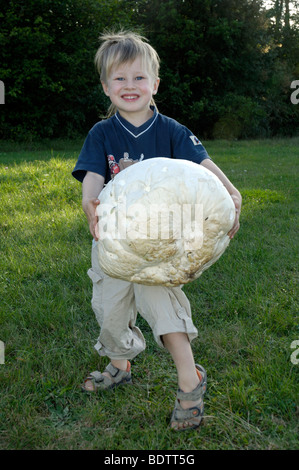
(168,312)
(113,303)
(178,345)
(120,339)
(114,306)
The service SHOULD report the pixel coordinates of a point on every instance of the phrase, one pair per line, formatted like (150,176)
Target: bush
(46,56)
(241,117)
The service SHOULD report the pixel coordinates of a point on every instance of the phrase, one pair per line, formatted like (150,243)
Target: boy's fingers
(96,231)
(95,228)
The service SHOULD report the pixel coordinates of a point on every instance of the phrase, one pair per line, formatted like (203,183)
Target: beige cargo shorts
(116,303)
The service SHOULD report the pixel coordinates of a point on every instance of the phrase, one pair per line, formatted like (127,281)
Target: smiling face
(130,87)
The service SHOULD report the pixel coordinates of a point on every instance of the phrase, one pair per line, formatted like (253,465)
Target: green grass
(245,308)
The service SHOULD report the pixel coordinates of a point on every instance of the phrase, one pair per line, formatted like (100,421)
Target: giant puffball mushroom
(163,221)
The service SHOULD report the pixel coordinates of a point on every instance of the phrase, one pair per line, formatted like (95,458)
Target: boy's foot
(111,377)
(189,406)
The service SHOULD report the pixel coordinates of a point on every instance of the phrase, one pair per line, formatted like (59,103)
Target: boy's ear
(105,88)
(156,86)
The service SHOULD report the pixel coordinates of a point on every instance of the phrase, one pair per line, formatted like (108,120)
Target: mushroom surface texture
(163,221)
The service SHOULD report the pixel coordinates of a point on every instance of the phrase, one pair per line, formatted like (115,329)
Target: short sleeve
(92,156)
(186,145)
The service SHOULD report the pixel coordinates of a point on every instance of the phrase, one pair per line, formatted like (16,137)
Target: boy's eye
(121,79)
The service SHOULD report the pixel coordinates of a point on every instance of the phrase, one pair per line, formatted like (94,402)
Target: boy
(129,72)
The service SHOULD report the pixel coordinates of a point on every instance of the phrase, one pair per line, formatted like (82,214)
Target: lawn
(245,308)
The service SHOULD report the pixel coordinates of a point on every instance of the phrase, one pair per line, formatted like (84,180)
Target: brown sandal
(195,413)
(103,382)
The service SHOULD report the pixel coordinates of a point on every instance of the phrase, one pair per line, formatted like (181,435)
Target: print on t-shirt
(123,163)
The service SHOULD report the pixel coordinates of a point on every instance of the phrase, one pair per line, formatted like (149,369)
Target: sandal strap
(181,414)
(199,391)
(113,371)
(196,394)
(98,378)
(116,377)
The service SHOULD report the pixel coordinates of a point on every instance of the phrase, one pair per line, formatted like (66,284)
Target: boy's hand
(234,193)
(237,199)
(90,211)
(91,187)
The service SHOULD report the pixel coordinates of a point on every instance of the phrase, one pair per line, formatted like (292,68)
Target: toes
(184,425)
(88,385)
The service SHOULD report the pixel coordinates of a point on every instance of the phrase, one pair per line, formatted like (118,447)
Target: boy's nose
(130,84)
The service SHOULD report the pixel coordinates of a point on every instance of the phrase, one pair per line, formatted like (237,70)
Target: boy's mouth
(130,97)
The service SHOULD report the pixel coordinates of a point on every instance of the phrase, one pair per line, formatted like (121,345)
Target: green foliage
(226,69)
(219,75)
(47,50)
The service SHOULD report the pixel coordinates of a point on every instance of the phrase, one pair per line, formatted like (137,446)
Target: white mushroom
(163,221)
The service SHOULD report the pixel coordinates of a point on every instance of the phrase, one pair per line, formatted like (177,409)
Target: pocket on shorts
(94,275)
(97,294)
(182,309)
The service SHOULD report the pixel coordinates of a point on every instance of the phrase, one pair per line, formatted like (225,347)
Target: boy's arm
(234,193)
(91,187)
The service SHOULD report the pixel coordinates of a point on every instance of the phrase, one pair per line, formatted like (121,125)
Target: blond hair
(122,47)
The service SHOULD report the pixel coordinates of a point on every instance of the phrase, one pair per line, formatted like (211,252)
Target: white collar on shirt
(153,119)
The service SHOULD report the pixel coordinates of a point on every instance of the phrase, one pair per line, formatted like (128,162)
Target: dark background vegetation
(226,72)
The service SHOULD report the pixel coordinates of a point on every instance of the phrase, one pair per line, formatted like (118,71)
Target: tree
(46,62)
(283,55)
(212,64)
(226,65)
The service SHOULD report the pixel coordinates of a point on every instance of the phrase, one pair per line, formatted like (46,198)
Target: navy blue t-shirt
(114,143)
